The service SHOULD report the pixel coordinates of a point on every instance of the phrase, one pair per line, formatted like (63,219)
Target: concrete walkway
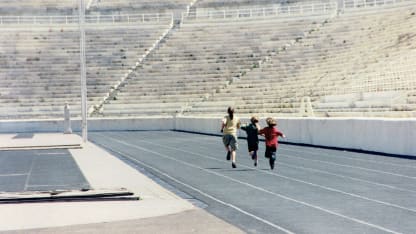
(104,171)
(39,141)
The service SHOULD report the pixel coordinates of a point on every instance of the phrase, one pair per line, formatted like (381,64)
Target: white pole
(81,22)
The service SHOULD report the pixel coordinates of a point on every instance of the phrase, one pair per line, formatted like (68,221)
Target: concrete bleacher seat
(40,68)
(95,7)
(346,54)
(380,99)
(38,7)
(260,65)
(356,101)
(337,101)
(134,109)
(103,7)
(201,58)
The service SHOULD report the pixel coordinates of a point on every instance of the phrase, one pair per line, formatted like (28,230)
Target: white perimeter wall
(102,124)
(393,136)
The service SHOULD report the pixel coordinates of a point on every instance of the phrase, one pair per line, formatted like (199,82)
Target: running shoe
(233,165)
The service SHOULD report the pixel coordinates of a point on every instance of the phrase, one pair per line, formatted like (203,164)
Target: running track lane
(290,199)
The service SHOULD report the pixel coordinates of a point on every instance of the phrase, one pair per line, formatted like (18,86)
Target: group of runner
(229,127)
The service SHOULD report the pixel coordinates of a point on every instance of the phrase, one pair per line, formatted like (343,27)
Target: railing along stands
(284,10)
(351,4)
(89,19)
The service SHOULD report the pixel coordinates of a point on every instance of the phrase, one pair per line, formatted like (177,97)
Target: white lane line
(256,187)
(16,174)
(49,185)
(329,173)
(346,177)
(303,168)
(349,166)
(295,148)
(322,171)
(52,154)
(292,179)
(203,193)
(325,154)
(307,168)
(29,173)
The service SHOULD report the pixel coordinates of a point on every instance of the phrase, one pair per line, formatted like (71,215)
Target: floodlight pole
(81,23)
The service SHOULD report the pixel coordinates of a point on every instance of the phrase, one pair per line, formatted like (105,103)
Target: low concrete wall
(151,123)
(94,124)
(18,126)
(392,136)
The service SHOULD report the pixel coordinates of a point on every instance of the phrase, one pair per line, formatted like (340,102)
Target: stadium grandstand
(350,58)
(263,62)
(113,116)
(356,61)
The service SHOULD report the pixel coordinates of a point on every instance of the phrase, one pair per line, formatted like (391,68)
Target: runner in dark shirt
(252,130)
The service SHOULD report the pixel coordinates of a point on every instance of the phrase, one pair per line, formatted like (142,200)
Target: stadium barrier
(318,9)
(89,19)
(99,124)
(370,3)
(331,8)
(391,136)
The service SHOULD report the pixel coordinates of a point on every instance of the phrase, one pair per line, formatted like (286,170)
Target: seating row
(41,67)
(346,55)
(199,59)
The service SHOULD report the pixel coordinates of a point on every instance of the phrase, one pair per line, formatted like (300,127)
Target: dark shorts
(253,147)
(270,152)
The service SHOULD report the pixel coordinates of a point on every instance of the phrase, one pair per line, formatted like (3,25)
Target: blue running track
(311,190)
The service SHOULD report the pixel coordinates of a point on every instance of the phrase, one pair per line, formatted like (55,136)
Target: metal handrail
(89,19)
(348,4)
(289,10)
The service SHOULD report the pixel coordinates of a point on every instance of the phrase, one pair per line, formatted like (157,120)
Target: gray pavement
(39,170)
(158,210)
(195,221)
(312,190)
(13,141)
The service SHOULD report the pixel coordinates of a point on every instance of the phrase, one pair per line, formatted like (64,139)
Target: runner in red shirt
(271,134)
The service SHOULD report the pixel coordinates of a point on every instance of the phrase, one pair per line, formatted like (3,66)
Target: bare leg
(251,153)
(233,158)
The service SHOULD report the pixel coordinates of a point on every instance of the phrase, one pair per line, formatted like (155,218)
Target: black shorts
(253,147)
(270,152)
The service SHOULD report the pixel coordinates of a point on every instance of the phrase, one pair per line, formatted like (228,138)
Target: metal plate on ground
(40,170)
